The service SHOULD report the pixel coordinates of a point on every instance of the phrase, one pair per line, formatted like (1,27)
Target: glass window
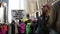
(0,4)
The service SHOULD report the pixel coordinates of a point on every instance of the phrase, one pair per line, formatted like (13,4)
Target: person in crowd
(2,31)
(5,27)
(26,20)
(19,26)
(28,27)
(34,25)
(55,18)
(46,15)
(13,27)
(43,21)
(22,28)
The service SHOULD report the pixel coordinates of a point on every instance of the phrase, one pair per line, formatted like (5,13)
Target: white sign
(1,15)
(17,14)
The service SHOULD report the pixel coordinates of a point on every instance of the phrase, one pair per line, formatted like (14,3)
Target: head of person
(13,21)
(30,20)
(46,9)
(1,27)
(4,24)
(19,21)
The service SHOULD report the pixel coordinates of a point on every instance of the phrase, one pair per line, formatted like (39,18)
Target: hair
(46,11)
(19,20)
(54,14)
(13,21)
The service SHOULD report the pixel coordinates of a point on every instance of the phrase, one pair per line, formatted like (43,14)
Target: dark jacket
(42,25)
(34,26)
(13,28)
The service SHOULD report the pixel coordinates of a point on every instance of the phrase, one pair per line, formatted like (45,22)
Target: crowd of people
(37,26)
(3,29)
(26,27)
(47,23)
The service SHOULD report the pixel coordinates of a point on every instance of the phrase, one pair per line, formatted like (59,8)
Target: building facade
(34,7)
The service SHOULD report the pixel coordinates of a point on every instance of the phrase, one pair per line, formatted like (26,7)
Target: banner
(17,14)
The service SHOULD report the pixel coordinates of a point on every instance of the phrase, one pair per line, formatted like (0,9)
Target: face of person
(46,10)
(1,27)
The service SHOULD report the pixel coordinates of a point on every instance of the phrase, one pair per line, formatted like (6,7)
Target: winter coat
(5,28)
(34,26)
(22,28)
(13,28)
(28,28)
(2,31)
(42,25)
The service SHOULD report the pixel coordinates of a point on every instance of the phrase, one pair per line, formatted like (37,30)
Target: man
(13,27)
(43,21)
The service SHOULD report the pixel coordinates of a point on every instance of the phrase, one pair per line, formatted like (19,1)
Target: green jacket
(28,29)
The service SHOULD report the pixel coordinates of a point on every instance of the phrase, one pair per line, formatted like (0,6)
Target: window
(37,14)
(0,4)
(28,16)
